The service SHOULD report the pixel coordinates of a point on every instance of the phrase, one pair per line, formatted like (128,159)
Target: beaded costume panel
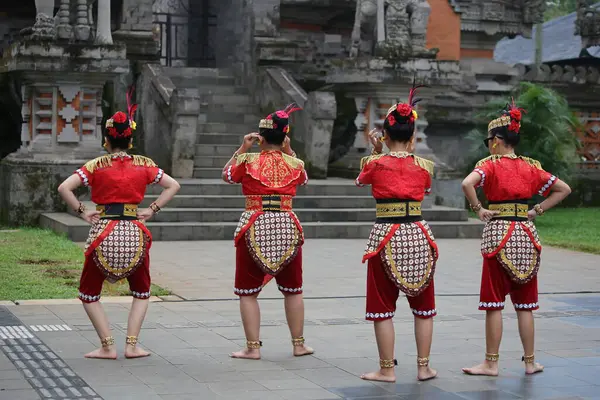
(118,248)
(516,245)
(408,252)
(273,240)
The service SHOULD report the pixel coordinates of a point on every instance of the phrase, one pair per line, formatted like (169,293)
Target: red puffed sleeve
(153,175)
(366,175)
(543,181)
(427,184)
(235,173)
(484,170)
(86,176)
(302,179)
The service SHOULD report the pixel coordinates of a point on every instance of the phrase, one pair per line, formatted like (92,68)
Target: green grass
(569,228)
(39,264)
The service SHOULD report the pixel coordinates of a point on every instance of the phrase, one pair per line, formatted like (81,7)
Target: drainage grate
(15,332)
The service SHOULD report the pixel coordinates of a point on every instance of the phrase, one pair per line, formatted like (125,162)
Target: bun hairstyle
(508,126)
(119,128)
(276,126)
(400,120)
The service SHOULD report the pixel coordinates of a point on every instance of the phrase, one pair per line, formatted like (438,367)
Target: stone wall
(154,119)
(29,188)
(311,128)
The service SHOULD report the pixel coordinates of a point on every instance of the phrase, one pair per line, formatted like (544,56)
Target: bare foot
(482,369)
(303,350)
(135,352)
(531,369)
(383,375)
(247,354)
(426,373)
(103,354)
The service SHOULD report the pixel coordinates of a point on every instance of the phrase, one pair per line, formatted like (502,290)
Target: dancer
(118,244)
(401,251)
(269,236)
(510,246)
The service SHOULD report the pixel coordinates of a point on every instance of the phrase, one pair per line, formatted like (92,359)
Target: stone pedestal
(60,85)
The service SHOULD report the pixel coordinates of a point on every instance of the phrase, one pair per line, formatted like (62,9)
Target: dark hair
(275,136)
(121,143)
(510,138)
(403,129)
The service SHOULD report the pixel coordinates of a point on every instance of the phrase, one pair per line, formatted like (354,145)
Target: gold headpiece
(265,124)
(499,122)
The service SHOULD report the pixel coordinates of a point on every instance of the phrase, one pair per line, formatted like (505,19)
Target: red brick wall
(443,30)
(476,53)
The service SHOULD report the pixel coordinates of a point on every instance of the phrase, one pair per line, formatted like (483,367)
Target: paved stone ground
(191,339)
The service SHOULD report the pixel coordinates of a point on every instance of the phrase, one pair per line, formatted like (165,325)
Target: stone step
(232,100)
(210,107)
(220,127)
(210,161)
(210,173)
(225,150)
(210,86)
(77,229)
(220,138)
(234,116)
(216,186)
(239,201)
(200,75)
(304,214)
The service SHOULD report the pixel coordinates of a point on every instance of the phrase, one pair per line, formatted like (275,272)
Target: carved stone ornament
(587,24)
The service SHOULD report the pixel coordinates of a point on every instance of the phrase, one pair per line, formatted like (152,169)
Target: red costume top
(388,176)
(404,242)
(119,178)
(513,177)
(119,246)
(271,229)
(508,182)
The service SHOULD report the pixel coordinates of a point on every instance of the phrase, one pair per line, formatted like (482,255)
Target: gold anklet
(131,340)
(253,344)
(528,359)
(388,363)
(107,341)
(423,361)
(298,341)
(492,357)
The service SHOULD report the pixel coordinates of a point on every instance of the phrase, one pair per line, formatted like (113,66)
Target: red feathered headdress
(279,119)
(121,125)
(406,111)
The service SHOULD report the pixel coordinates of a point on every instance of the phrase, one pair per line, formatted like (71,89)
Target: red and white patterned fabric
(408,252)
(516,245)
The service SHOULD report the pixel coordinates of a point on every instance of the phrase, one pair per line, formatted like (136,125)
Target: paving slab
(191,340)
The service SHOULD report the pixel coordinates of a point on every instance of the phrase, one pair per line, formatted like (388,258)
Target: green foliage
(546,129)
(570,228)
(559,8)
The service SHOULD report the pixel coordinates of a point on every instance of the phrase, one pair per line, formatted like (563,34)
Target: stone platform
(209,209)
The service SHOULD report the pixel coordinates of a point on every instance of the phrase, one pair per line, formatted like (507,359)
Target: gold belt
(117,210)
(268,203)
(510,210)
(400,209)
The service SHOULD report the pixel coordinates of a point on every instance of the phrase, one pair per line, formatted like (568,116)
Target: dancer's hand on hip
(91,216)
(145,214)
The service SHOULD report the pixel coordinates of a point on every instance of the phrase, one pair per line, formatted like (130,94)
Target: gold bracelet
(155,208)
(476,208)
(81,209)
(538,210)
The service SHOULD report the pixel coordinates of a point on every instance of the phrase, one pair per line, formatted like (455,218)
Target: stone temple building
(206,71)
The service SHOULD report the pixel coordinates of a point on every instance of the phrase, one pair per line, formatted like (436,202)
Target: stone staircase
(207,208)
